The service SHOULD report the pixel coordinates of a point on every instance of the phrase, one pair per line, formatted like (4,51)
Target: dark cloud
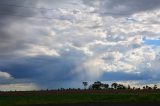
(11,13)
(16,33)
(123,7)
(19,8)
(23,9)
(44,70)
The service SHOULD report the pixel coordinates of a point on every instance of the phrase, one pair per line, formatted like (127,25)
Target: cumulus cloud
(5,75)
(72,41)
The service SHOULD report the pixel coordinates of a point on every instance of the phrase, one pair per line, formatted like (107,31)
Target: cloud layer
(123,7)
(53,44)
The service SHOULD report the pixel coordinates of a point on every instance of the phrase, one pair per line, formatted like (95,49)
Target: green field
(10,100)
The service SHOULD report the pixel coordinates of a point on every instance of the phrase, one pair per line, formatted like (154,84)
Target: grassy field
(62,97)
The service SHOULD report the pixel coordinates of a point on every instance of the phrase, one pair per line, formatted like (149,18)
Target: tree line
(115,86)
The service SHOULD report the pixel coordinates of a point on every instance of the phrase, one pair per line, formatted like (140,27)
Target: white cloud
(35,50)
(5,75)
(18,87)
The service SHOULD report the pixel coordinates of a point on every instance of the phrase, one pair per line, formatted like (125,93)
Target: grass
(10,100)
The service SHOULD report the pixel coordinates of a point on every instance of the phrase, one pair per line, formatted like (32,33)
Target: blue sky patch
(152,42)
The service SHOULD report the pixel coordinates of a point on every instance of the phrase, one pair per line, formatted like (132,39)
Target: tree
(106,86)
(147,87)
(129,87)
(120,86)
(97,85)
(144,87)
(114,85)
(155,87)
(85,84)
(134,88)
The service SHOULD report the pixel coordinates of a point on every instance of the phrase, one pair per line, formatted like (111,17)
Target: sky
(61,43)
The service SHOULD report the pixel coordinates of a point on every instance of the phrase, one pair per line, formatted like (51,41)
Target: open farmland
(56,97)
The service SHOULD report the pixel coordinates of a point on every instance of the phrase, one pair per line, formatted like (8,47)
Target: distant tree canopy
(85,84)
(99,85)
